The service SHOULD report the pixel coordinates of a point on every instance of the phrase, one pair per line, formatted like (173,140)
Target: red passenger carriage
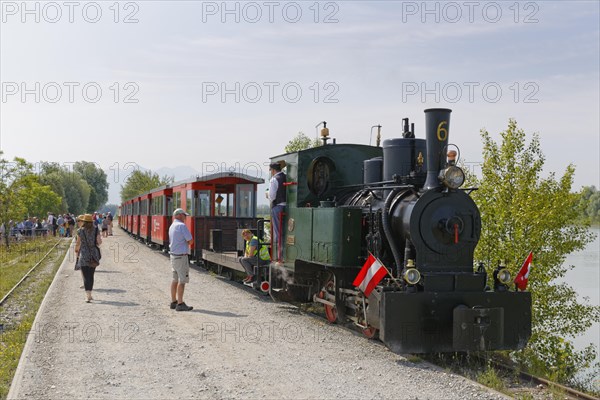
(220,205)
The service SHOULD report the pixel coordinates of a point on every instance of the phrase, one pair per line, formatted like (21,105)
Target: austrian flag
(370,275)
(523,275)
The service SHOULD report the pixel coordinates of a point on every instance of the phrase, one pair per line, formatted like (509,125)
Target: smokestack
(437,127)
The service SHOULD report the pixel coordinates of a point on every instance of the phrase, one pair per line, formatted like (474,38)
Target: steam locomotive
(401,202)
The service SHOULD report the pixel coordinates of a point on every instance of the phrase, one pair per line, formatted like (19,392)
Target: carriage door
(168,213)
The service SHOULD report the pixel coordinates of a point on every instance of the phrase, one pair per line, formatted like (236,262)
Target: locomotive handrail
(260,225)
(391,184)
(391,187)
(469,190)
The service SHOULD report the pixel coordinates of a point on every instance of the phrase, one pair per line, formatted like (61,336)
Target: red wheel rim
(330,311)
(370,332)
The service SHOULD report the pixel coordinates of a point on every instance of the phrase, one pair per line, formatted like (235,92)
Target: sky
(227,84)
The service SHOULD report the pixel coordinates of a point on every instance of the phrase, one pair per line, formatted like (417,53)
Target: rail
(28,273)
(542,381)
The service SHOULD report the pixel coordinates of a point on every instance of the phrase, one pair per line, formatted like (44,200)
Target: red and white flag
(523,275)
(370,275)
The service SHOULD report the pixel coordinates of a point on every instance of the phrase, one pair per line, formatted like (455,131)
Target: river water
(585,279)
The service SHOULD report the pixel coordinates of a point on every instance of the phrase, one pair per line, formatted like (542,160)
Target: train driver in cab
(277,198)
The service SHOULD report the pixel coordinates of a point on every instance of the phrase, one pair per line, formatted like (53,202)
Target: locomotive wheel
(370,332)
(330,311)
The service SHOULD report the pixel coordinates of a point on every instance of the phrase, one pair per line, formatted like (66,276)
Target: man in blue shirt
(179,240)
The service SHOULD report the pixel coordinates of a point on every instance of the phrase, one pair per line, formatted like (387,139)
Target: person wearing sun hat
(180,239)
(86,248)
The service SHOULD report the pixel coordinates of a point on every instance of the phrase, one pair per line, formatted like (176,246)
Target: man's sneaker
(173,305)
(183,307)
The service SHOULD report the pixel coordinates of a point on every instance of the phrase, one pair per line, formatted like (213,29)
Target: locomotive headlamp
(453,177)
(412,276)
(504,276)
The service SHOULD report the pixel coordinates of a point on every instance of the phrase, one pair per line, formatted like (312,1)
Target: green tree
(96,178)
(77,192)
(51,174)
(590,204)
(521,211)
(70,185)
(140,182)
(40,199)
(301,142)
(14,181)
(21,194)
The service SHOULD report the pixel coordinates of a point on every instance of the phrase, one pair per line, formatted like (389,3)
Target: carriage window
(157,205)
(245,201)
(189,202)
(203,203)
(220,204)
(230,204)
(224,204)
(176,201)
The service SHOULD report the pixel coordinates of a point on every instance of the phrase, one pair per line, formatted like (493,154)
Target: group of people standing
(34,226)
(64,224)
(104,223)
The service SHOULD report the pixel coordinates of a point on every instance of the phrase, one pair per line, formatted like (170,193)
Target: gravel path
(128,344)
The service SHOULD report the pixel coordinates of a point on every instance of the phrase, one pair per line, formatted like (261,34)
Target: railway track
(28,273)
(572,393)
(527,386)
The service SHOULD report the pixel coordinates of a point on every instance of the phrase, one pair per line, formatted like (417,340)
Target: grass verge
(16,260)
(19,311)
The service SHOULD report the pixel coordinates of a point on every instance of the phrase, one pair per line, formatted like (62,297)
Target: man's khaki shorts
(181,269)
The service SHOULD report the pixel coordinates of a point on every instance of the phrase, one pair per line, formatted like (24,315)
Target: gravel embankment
(128,344)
